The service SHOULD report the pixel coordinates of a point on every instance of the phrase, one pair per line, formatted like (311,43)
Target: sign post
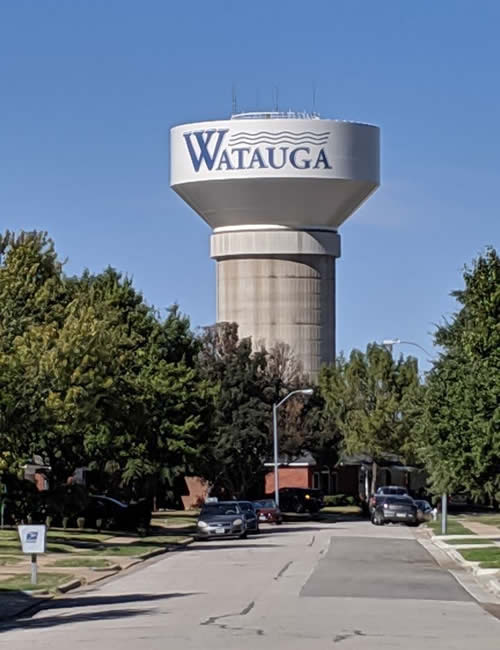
(444,514)
(33,542)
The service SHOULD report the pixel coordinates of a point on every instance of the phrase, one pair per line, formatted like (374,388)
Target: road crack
(347,635)
(282,571)
(213,620)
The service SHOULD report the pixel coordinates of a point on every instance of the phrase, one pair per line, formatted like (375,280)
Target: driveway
(307,586)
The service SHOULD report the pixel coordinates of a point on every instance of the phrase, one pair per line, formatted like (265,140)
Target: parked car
(385,490)
(222,519)
(300,500)
(251,517)
(424,510)
(395,509)
(106,512)
(268,511)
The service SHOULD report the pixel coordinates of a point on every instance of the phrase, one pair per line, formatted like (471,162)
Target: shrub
(335,500)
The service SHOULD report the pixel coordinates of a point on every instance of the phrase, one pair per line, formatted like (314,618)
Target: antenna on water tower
(234,102)
(276,98)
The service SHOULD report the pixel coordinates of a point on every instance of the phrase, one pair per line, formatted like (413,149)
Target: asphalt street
(308,586)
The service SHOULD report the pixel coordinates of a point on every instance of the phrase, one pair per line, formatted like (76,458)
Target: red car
(268,511)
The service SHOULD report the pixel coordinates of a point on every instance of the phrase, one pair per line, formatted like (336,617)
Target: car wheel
(243,535)
(279,522)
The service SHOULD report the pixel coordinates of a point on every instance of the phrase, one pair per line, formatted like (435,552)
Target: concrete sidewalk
(481,529)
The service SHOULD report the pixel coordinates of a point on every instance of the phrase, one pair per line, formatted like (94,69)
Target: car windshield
(220,509)
(265,503)
(246,507)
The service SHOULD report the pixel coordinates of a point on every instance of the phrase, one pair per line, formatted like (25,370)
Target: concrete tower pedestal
(279,285)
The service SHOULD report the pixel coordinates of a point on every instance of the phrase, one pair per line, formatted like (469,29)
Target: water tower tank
(275,187)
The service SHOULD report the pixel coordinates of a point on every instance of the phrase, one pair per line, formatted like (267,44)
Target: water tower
(275,187)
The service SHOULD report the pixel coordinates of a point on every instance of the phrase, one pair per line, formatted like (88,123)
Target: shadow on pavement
(295,529)
(88,601)
(83,617)
(207,546)
(92,601)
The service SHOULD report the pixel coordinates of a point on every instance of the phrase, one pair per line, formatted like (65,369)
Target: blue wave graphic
(277,142)
(277,133)
(278,138)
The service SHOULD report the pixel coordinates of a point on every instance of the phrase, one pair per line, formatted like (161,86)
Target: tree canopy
(460,424)
(90,375)
(369,398)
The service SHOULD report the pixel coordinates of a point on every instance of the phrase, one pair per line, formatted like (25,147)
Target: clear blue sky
(90,88)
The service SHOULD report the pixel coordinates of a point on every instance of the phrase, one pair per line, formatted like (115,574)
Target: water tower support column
(278,284)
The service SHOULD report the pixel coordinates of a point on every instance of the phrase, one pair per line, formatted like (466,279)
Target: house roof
(302,460)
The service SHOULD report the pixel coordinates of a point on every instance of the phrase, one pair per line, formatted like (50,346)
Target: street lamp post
(303,391)
(389,343)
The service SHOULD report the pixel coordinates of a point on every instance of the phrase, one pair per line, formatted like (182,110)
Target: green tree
(238,439)
(90,375)
(460,425)
(369,400)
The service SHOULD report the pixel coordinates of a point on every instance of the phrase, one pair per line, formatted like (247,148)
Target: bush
(335,500)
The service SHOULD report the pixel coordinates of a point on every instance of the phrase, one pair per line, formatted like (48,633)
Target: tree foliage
(369,398)
(461,420)
(89,374)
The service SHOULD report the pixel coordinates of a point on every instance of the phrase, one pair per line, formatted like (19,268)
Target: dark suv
(395,509)
(386,490)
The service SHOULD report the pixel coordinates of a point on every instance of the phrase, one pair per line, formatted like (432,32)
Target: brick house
(351,476)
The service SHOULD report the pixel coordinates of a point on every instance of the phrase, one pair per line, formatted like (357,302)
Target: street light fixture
(303,391)
(389,343)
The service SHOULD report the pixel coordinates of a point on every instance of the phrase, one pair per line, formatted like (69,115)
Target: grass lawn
(12,559)
(45,581)
(454,527)
(97,562)
(341,510)
(84,543)
(470,540)
(121,549)
(488,557)
(84,536)
(14,548)
(174,520)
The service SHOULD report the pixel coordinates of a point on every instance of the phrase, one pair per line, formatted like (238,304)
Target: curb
(78,582)
(67,586)
(492,585)
(166,549)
